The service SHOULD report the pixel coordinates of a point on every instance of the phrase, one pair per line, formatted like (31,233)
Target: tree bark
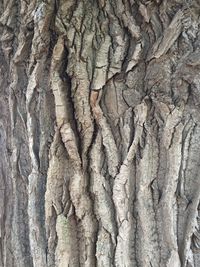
(99,133)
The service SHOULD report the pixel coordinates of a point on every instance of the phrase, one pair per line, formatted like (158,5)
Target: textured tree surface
(99,133)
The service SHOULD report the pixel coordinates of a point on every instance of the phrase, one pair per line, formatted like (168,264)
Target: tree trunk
(99,133)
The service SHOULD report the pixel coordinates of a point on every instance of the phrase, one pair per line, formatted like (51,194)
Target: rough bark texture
(99,133)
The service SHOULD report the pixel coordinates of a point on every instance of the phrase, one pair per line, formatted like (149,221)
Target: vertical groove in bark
(99,133)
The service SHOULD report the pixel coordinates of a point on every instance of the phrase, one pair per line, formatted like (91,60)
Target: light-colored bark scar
(95,97)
